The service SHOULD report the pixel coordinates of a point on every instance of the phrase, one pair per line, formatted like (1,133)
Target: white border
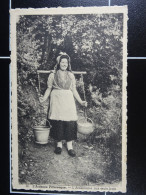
(76,10)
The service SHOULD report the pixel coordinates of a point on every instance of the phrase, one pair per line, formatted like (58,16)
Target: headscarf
(60,82)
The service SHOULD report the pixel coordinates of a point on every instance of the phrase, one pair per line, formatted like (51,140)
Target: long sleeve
(73,83)
(49,84)
(50,81)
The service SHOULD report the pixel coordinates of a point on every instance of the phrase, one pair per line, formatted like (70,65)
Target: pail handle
(49,123)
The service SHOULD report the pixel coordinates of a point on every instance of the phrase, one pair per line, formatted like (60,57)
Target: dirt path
(40,165)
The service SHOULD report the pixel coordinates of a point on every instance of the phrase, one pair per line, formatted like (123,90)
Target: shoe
(71,153)
(58,150)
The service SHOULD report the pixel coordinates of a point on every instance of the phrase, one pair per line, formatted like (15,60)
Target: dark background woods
(94,43)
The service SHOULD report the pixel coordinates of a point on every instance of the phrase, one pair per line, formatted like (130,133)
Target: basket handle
(86,119)
(90,120)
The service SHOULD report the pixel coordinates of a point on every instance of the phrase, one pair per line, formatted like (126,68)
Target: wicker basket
(85,126)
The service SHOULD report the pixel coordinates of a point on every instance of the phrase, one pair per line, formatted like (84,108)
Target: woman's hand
(84,103)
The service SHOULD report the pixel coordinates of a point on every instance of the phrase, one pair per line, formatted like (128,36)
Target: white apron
(62,102)
(62,105)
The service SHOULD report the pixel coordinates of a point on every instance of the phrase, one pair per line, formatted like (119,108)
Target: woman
(62,112)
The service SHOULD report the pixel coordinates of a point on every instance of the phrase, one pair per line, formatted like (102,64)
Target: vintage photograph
(68,110)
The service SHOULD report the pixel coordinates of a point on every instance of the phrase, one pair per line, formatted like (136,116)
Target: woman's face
(63,64)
